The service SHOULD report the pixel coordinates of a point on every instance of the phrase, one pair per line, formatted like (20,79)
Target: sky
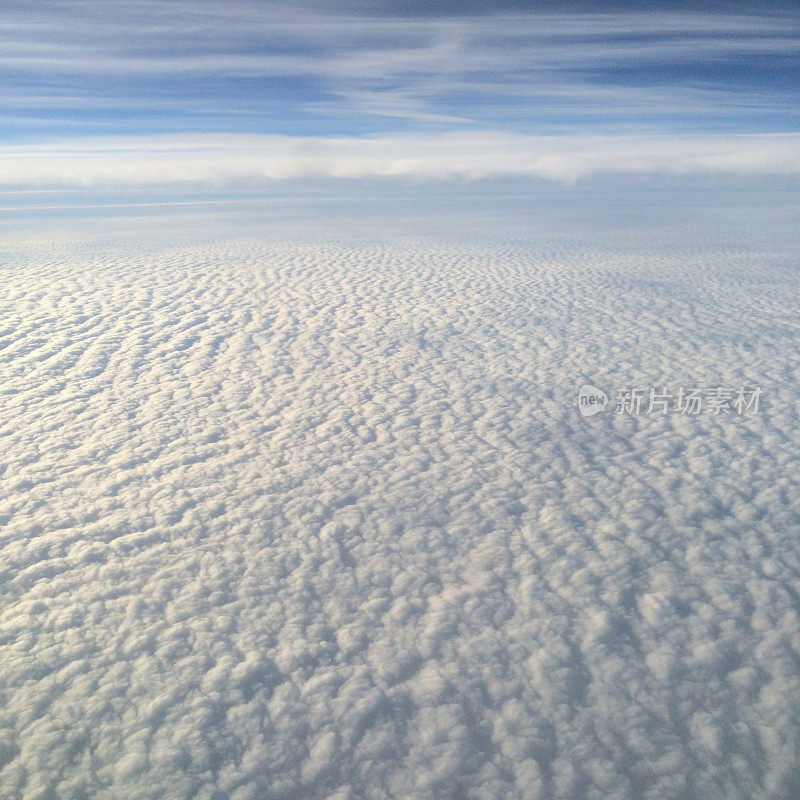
(297,300)
(203,93)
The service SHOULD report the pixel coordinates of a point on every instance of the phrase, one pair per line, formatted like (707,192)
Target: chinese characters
(689,401)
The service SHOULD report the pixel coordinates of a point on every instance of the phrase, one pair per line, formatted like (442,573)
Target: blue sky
(110,78)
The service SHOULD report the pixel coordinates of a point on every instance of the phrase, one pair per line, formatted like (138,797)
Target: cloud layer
(282,68)
(210,159)
(323,522)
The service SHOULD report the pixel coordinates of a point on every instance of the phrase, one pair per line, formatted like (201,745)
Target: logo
(591,400)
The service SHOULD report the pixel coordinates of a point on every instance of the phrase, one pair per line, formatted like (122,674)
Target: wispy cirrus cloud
(215,159)
(275,68)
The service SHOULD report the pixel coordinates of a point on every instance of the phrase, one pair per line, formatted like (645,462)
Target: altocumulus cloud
(215,158)
(322,522)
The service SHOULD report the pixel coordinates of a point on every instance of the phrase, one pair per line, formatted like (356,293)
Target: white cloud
(245,38)
(408,66)
(294,520)
(208,159)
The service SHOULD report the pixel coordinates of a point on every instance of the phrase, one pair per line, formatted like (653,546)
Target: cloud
(219,159)
(253,38)
(230,62)
(322,521)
